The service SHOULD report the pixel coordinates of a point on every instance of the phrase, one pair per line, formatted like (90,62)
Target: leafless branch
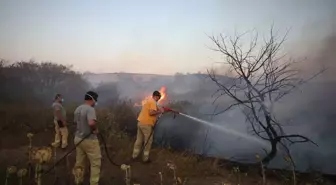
(261,77)
(301,139)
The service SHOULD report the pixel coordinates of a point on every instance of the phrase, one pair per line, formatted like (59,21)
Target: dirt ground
(14,147)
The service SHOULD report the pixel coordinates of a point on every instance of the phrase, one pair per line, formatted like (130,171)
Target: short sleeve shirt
(144,116)
(82,115)
(58,107)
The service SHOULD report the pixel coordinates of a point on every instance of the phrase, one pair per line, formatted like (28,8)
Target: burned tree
(259,77)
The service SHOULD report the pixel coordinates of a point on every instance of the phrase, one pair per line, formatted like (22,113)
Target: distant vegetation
(27,91)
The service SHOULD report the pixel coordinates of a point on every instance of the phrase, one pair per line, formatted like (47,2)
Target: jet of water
(227,130)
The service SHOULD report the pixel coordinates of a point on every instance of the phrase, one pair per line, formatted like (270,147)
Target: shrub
(120,116)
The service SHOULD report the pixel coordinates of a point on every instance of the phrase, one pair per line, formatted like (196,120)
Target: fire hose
(166,109)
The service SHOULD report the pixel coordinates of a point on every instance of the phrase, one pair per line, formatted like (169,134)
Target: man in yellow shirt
(146,120)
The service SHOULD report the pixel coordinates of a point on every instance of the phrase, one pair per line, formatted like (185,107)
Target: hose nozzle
(166,109)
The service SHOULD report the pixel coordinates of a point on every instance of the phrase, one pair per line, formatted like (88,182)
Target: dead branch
(302,139)
(262,76)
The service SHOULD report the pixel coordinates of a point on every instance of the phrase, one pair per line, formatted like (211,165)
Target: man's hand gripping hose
(166,109)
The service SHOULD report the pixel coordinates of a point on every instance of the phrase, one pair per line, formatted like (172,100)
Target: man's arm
(153,109)
(91,117)
(154,112)
(59,116)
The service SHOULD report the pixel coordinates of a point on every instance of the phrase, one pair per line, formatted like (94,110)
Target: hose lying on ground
(105,148)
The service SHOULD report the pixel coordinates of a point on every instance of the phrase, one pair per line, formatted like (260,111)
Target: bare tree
(259,76)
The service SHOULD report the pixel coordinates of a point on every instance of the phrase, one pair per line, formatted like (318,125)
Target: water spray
(221,128)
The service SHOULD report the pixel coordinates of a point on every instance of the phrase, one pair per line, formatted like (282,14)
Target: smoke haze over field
(309,111)
(167,37)
(124,50)
(312,108)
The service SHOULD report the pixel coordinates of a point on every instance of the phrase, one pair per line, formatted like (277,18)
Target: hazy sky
(143,36)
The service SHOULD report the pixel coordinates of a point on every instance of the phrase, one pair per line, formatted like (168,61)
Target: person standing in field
(61,130)
(85,118)
(146,120)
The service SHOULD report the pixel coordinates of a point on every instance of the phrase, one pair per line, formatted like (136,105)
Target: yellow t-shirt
(144,116)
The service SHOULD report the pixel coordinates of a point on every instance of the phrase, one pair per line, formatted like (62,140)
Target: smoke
(309,111)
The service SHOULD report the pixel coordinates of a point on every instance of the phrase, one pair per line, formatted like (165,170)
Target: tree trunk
(272,154)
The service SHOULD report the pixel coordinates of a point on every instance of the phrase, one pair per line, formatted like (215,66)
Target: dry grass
(168,166)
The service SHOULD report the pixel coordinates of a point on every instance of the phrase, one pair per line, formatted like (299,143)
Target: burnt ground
(189,168)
